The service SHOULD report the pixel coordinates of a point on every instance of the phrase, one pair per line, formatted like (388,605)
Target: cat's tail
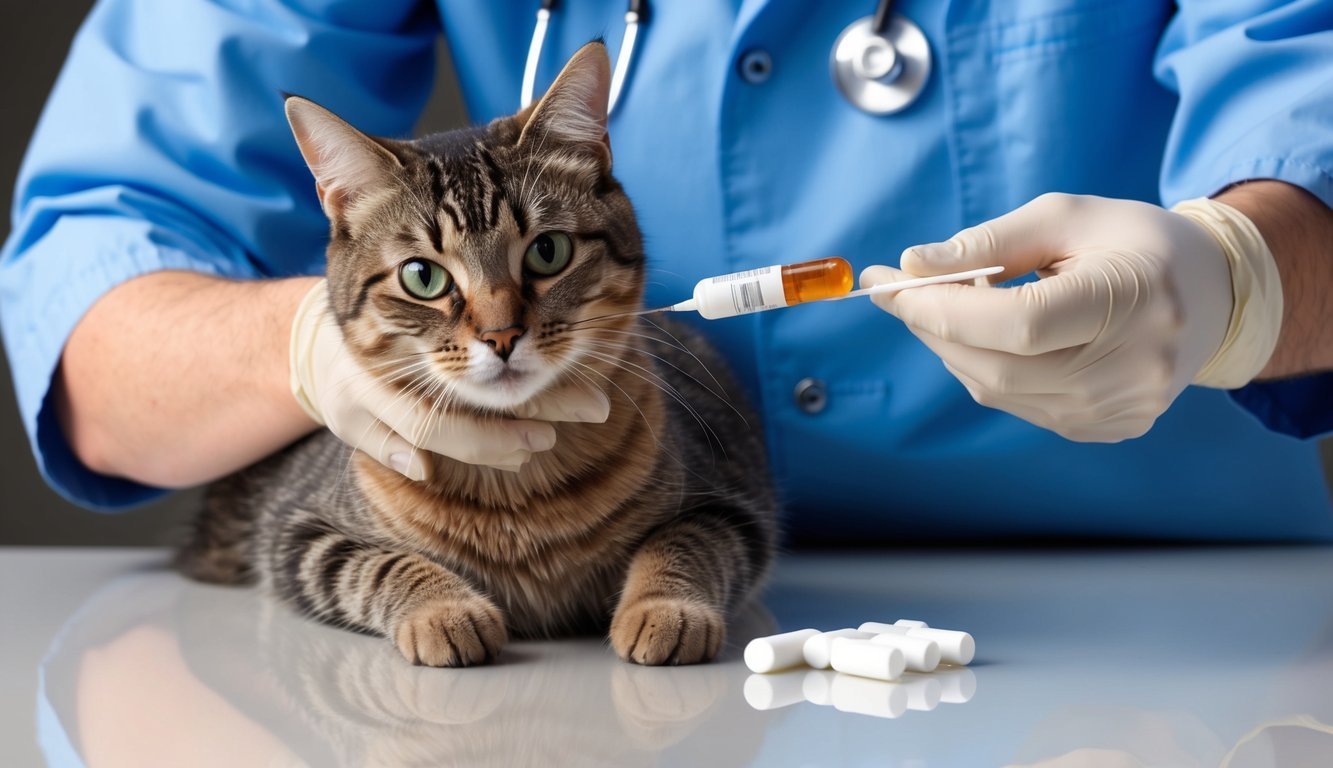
(218,549)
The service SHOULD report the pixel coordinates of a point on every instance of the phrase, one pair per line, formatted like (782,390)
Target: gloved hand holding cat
(397,428)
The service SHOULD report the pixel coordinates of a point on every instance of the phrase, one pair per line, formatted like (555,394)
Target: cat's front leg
(433,616)
(681,584)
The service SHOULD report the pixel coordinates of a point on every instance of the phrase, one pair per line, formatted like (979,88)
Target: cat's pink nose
(502,340)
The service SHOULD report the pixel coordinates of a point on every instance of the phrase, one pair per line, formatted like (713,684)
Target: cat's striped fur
(657,523)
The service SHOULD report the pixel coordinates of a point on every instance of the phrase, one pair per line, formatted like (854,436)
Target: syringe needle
(622,314)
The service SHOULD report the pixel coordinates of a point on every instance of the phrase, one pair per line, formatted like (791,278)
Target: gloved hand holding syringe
(773,287)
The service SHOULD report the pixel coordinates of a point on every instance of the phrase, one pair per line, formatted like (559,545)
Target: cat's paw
(451,632)
(667,631)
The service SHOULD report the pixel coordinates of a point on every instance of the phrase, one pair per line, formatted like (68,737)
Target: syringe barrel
(756,290)
(815,280)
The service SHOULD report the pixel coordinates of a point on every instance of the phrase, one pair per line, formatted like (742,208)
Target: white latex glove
(397,430)
(1134,303)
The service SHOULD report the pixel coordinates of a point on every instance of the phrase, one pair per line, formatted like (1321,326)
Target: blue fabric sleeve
(1255,80)
(164,146)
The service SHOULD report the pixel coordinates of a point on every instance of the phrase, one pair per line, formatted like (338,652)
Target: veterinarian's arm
(164,146)
(176,378)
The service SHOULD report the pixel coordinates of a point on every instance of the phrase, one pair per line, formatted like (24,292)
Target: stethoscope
(635,14)
(880,63)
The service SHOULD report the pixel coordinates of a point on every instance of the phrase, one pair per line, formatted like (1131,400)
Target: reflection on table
(1179,658)
(860,695)
(156,670)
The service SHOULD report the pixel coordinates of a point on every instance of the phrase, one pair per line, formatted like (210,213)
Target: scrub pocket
(1054,95)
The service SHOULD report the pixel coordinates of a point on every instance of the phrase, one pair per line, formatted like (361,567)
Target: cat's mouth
(507,375)
(503,385)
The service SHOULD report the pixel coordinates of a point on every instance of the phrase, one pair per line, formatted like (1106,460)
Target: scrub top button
(755,66)
(811,395)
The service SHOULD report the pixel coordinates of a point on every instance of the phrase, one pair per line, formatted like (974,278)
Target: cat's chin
(505,390)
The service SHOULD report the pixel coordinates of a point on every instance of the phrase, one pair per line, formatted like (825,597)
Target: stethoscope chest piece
(881,73)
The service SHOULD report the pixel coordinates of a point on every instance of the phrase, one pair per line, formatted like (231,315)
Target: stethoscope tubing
(891,37)
(635,15)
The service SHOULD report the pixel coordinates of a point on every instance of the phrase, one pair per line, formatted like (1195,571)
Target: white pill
(923,693)
(920,654)
(769,654)
(818,686)
(955,647)
(866,659)
(957,685)
(774,691)
(818,648)
(911,624)
(868,697)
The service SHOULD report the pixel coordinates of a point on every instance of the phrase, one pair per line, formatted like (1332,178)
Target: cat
(657,524)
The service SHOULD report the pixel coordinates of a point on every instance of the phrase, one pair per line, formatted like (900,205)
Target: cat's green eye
(548,253)
(425,280)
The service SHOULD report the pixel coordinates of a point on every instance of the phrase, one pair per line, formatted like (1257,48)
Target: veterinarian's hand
(1134,303)
(397,429)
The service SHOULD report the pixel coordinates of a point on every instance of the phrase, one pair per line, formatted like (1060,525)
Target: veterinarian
(164,221)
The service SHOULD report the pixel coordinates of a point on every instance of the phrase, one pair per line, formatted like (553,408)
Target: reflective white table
(1161,657)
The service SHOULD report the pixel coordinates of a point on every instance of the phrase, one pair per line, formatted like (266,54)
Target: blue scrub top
(164,146)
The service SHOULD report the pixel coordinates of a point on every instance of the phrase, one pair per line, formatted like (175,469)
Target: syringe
(772,287)
(779,285)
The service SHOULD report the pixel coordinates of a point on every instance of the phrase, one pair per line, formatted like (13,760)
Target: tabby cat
(661,519)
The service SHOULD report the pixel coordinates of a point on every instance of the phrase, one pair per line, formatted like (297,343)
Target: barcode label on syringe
(753,290)
(747,274)
(747,297)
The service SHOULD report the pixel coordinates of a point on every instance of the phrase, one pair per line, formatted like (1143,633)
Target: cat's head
(460,259)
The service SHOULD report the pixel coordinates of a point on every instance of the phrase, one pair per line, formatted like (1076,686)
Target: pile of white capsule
(872,652)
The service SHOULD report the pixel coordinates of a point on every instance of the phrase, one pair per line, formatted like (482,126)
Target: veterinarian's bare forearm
(1298,228)
(177,378)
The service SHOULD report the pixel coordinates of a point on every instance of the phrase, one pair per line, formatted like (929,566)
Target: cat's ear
(348,165)
(573,112)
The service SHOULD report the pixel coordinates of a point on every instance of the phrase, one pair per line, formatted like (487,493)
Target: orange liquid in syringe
(815,280)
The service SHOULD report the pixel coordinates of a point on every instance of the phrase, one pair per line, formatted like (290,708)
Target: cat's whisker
(674,393)
(666,388)
(682,345)
(647,423)
(378,374)
(418,381)
(629,313)
(675,343)
(719,393)
(626,332)
(409,391)
(429,394)
(621,346)
(658,443)
(679,346)
(429,422)
(439,393)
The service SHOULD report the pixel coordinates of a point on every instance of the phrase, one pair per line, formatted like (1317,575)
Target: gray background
(38,34)
(37,37)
